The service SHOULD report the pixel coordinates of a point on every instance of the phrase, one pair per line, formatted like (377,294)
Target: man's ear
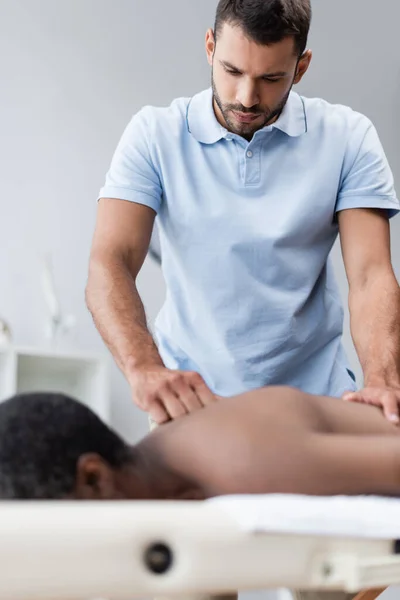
(210,46)
(94,479)
(302,66)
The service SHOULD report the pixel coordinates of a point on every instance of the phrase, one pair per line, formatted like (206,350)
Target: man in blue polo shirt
(252,183)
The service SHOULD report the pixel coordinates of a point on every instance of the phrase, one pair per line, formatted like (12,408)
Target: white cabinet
(84,377)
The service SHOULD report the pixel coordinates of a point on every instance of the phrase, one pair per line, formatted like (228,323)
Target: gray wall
(72,75)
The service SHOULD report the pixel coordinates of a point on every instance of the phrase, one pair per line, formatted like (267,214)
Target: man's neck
(154,478)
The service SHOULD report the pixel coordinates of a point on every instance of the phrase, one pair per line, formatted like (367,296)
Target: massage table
(62,550)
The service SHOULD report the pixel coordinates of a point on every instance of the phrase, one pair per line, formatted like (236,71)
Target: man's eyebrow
(228,65)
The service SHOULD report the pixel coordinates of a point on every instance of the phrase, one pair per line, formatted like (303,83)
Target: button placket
(252,171)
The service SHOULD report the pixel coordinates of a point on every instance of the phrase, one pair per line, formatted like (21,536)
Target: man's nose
(248,95)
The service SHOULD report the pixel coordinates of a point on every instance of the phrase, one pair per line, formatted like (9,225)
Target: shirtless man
(273,440)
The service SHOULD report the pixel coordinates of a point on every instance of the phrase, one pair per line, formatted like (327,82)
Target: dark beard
(246,130)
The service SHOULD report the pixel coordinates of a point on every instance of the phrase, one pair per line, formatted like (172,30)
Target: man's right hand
(167,394)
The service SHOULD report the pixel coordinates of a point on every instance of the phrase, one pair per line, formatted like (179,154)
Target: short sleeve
(132,175)
(367,178)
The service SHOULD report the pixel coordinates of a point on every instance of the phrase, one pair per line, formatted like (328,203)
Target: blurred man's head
(257,52)
(53,447)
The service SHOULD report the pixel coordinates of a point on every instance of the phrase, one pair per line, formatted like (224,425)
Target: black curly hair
(42,436)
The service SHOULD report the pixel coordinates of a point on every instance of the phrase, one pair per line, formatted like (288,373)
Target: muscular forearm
(118,313)
(375,328)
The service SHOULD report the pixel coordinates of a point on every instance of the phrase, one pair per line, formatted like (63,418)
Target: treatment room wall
(74,72)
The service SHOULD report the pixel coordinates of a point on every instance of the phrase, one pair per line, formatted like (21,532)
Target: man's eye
(232,72)
(271,80)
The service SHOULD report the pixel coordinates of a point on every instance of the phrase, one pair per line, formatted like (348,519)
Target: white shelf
(82,376)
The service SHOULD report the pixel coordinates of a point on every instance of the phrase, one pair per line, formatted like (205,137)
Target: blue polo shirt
(245,232)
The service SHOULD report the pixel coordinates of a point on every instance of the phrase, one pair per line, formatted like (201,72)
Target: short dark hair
(42,436)
(267,21)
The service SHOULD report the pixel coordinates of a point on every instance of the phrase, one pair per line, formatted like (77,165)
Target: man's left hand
(386,397)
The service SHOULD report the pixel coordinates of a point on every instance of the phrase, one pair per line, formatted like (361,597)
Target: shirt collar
(205,128)
(201,120)
(293,118)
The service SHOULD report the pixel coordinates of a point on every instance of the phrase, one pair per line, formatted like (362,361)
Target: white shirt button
(249,154)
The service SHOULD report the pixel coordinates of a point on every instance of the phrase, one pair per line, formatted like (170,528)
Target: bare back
(260,442)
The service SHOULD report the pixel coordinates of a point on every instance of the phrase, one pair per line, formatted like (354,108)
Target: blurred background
(73,73)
